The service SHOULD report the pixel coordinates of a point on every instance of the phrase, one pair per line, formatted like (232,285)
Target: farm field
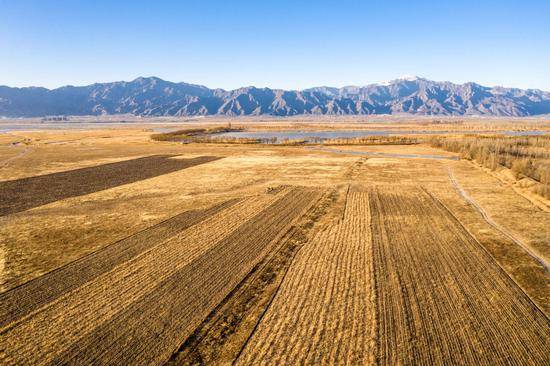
(347,298)
(25,193)
(116,249)
(437,285)
(130,301)
(325,298)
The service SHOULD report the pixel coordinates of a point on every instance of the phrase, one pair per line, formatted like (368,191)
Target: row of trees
(526,156)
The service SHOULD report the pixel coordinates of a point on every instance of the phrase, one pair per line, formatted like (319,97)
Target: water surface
(312,136)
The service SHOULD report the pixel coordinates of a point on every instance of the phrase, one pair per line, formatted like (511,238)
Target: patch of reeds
(372,140)
(192,134)
(211,136)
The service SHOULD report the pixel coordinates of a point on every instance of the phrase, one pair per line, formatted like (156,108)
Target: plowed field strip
(441,299)
(100,299)
(28,297)
(180,303)
(223,334)
(322,311)
(168,291)
(23,194)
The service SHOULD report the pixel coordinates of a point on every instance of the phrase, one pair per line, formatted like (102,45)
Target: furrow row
(34,294)
(441,298)
(38,337)
(322,312)
(179,304)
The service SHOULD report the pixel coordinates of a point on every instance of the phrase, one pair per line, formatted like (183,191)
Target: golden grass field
(119,249)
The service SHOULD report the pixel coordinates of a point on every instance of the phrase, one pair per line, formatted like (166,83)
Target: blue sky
(285,44)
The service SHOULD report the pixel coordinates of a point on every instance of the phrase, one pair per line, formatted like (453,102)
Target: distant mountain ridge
(152,96)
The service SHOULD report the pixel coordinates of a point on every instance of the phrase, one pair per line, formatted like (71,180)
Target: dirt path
(496,226)
(7,161)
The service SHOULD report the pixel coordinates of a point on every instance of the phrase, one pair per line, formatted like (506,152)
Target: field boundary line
(7,161)
(485,250)
(345,204)
(374,281)
(274,295)
(493,224)
(221,205)
(265,310)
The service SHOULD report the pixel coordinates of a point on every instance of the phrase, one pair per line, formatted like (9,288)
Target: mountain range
(151,96)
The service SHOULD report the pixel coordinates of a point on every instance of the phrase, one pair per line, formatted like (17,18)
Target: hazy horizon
(282,45)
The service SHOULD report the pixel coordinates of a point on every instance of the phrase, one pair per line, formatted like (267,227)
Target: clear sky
(288,44)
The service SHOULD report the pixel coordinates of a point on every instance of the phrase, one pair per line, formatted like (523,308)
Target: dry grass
(169,289)
(527,156)
(322,313)
(386,275)
(441,299)
(192,134)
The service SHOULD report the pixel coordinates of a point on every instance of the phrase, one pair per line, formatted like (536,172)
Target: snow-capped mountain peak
(401,78)
(409,78)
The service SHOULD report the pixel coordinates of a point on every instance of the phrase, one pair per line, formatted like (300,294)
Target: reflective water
(316,135)
(265,135)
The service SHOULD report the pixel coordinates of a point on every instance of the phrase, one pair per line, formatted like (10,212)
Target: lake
(333,134)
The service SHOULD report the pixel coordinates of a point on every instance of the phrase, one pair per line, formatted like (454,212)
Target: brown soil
(24,299)
(23,194)
(225,332)
(167,291)
(436,285)
(226,262)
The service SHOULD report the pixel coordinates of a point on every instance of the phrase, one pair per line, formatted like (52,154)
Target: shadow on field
(26,193)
